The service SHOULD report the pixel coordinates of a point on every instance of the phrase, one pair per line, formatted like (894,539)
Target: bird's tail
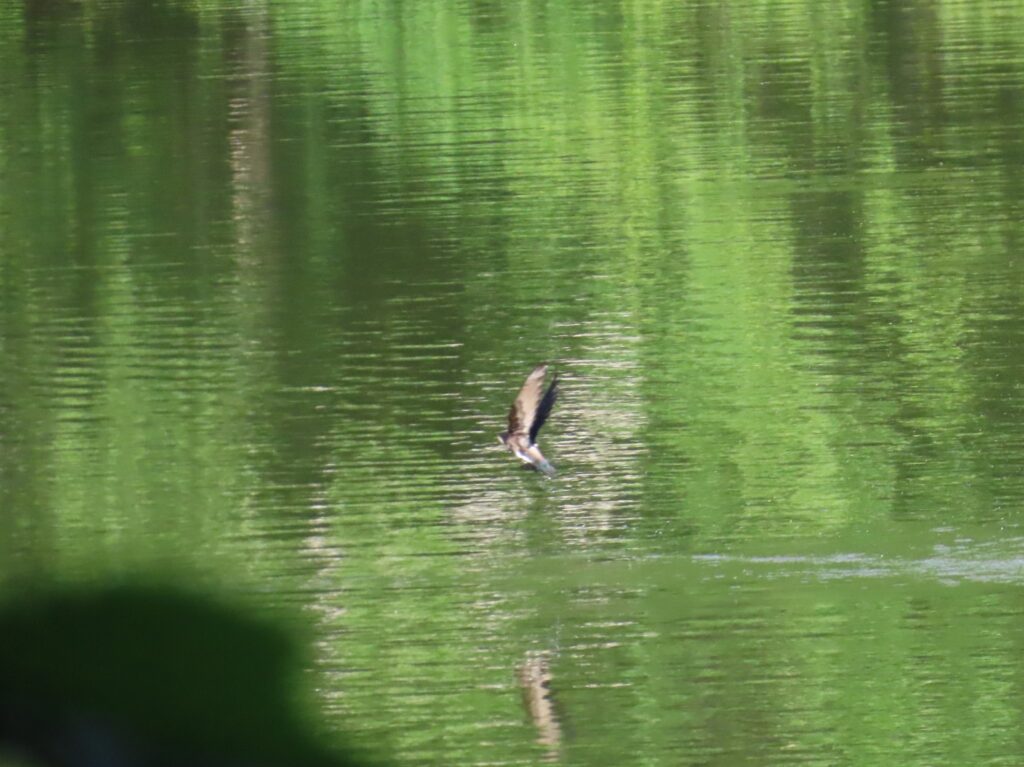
(545,466)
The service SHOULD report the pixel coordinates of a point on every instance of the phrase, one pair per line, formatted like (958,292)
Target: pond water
(271,274)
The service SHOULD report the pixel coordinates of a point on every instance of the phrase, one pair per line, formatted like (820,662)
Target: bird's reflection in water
(535,682)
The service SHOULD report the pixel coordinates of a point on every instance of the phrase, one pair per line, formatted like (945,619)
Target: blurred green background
(272,272)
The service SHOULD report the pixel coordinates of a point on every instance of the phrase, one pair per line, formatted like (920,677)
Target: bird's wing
(523,413)
(544,408)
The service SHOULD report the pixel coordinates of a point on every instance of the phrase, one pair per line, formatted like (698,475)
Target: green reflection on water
(270,275)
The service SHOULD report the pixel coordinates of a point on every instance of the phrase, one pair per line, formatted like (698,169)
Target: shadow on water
(140,676)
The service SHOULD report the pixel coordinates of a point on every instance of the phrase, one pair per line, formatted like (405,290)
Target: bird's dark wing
(524,410)
(544,409)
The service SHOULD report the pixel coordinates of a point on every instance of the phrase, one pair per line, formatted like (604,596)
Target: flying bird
(528,414)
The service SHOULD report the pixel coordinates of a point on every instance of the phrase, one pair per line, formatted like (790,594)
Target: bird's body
(527,415)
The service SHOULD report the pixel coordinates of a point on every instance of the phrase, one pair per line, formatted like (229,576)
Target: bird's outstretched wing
(532,406)
(544,408)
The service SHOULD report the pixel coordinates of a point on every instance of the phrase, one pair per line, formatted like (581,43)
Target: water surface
(270,276)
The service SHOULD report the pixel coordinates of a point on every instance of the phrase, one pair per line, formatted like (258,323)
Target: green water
(272,272)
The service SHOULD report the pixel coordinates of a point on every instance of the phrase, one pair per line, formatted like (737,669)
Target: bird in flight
(528,414)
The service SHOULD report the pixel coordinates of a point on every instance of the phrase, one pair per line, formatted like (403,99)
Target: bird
(528,413)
